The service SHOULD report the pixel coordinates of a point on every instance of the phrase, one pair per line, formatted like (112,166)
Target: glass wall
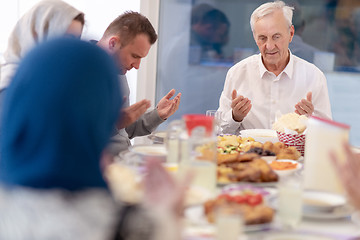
(200,40)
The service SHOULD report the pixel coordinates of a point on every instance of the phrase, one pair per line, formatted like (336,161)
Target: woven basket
(293,140)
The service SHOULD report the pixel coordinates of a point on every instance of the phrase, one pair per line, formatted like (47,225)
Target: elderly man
(259,87)
(128,39)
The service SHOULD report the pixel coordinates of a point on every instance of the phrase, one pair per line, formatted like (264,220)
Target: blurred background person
(46,20)
(209,31)
(297,46)
(59,112)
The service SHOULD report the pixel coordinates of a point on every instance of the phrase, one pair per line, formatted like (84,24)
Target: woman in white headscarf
(46,20)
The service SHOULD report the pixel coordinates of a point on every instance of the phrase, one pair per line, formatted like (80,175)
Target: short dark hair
(128,25)
(80,18)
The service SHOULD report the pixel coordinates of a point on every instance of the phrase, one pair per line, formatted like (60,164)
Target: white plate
(260,135)
(295,236)
(316,201)
(195,216)
(340,212)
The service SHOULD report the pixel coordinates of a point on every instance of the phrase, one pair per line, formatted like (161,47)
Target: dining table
(343,224)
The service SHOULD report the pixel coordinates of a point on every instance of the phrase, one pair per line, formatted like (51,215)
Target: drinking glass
(173,143)
(217,120)
(198,151)
(290,201)
(229,223)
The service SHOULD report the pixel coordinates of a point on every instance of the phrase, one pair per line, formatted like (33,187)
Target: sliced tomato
(227,197)
(255,199)
(239,199)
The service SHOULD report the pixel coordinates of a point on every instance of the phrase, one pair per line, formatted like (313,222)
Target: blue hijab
(59,112)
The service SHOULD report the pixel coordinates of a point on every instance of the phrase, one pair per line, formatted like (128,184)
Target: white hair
(268,8)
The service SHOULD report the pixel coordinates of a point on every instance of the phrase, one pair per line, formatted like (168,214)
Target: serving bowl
(260,135)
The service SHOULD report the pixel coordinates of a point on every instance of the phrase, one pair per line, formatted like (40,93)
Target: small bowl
(317,201)
(287,172)
(146,152)
(260,135)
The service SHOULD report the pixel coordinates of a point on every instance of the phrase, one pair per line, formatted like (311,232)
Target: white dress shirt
(271,95)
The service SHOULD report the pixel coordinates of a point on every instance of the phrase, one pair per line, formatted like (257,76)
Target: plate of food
(250,202)
(246,168)
(243,160)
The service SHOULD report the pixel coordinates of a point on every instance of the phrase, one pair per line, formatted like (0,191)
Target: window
(327,34)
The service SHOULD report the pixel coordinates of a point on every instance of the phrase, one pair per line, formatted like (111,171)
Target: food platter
(195,216)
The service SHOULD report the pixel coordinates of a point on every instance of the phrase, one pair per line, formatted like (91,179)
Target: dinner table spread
(342,222)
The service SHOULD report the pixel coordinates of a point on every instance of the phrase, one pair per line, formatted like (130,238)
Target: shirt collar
(289,69)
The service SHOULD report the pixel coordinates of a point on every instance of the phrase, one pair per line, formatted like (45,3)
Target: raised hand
(240,106)
(132,113)
(305,106)
(162,190)
(167,107)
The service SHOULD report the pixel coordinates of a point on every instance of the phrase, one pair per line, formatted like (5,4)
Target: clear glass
(229,223)
(290,191)
(198,151)
(217,120)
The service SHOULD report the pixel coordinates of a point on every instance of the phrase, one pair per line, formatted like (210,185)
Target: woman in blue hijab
(58,117)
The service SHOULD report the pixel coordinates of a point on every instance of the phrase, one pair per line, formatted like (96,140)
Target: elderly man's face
(272,35)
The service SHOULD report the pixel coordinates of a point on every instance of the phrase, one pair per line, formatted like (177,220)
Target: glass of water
(229,223)
(217,120)
(290,191)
